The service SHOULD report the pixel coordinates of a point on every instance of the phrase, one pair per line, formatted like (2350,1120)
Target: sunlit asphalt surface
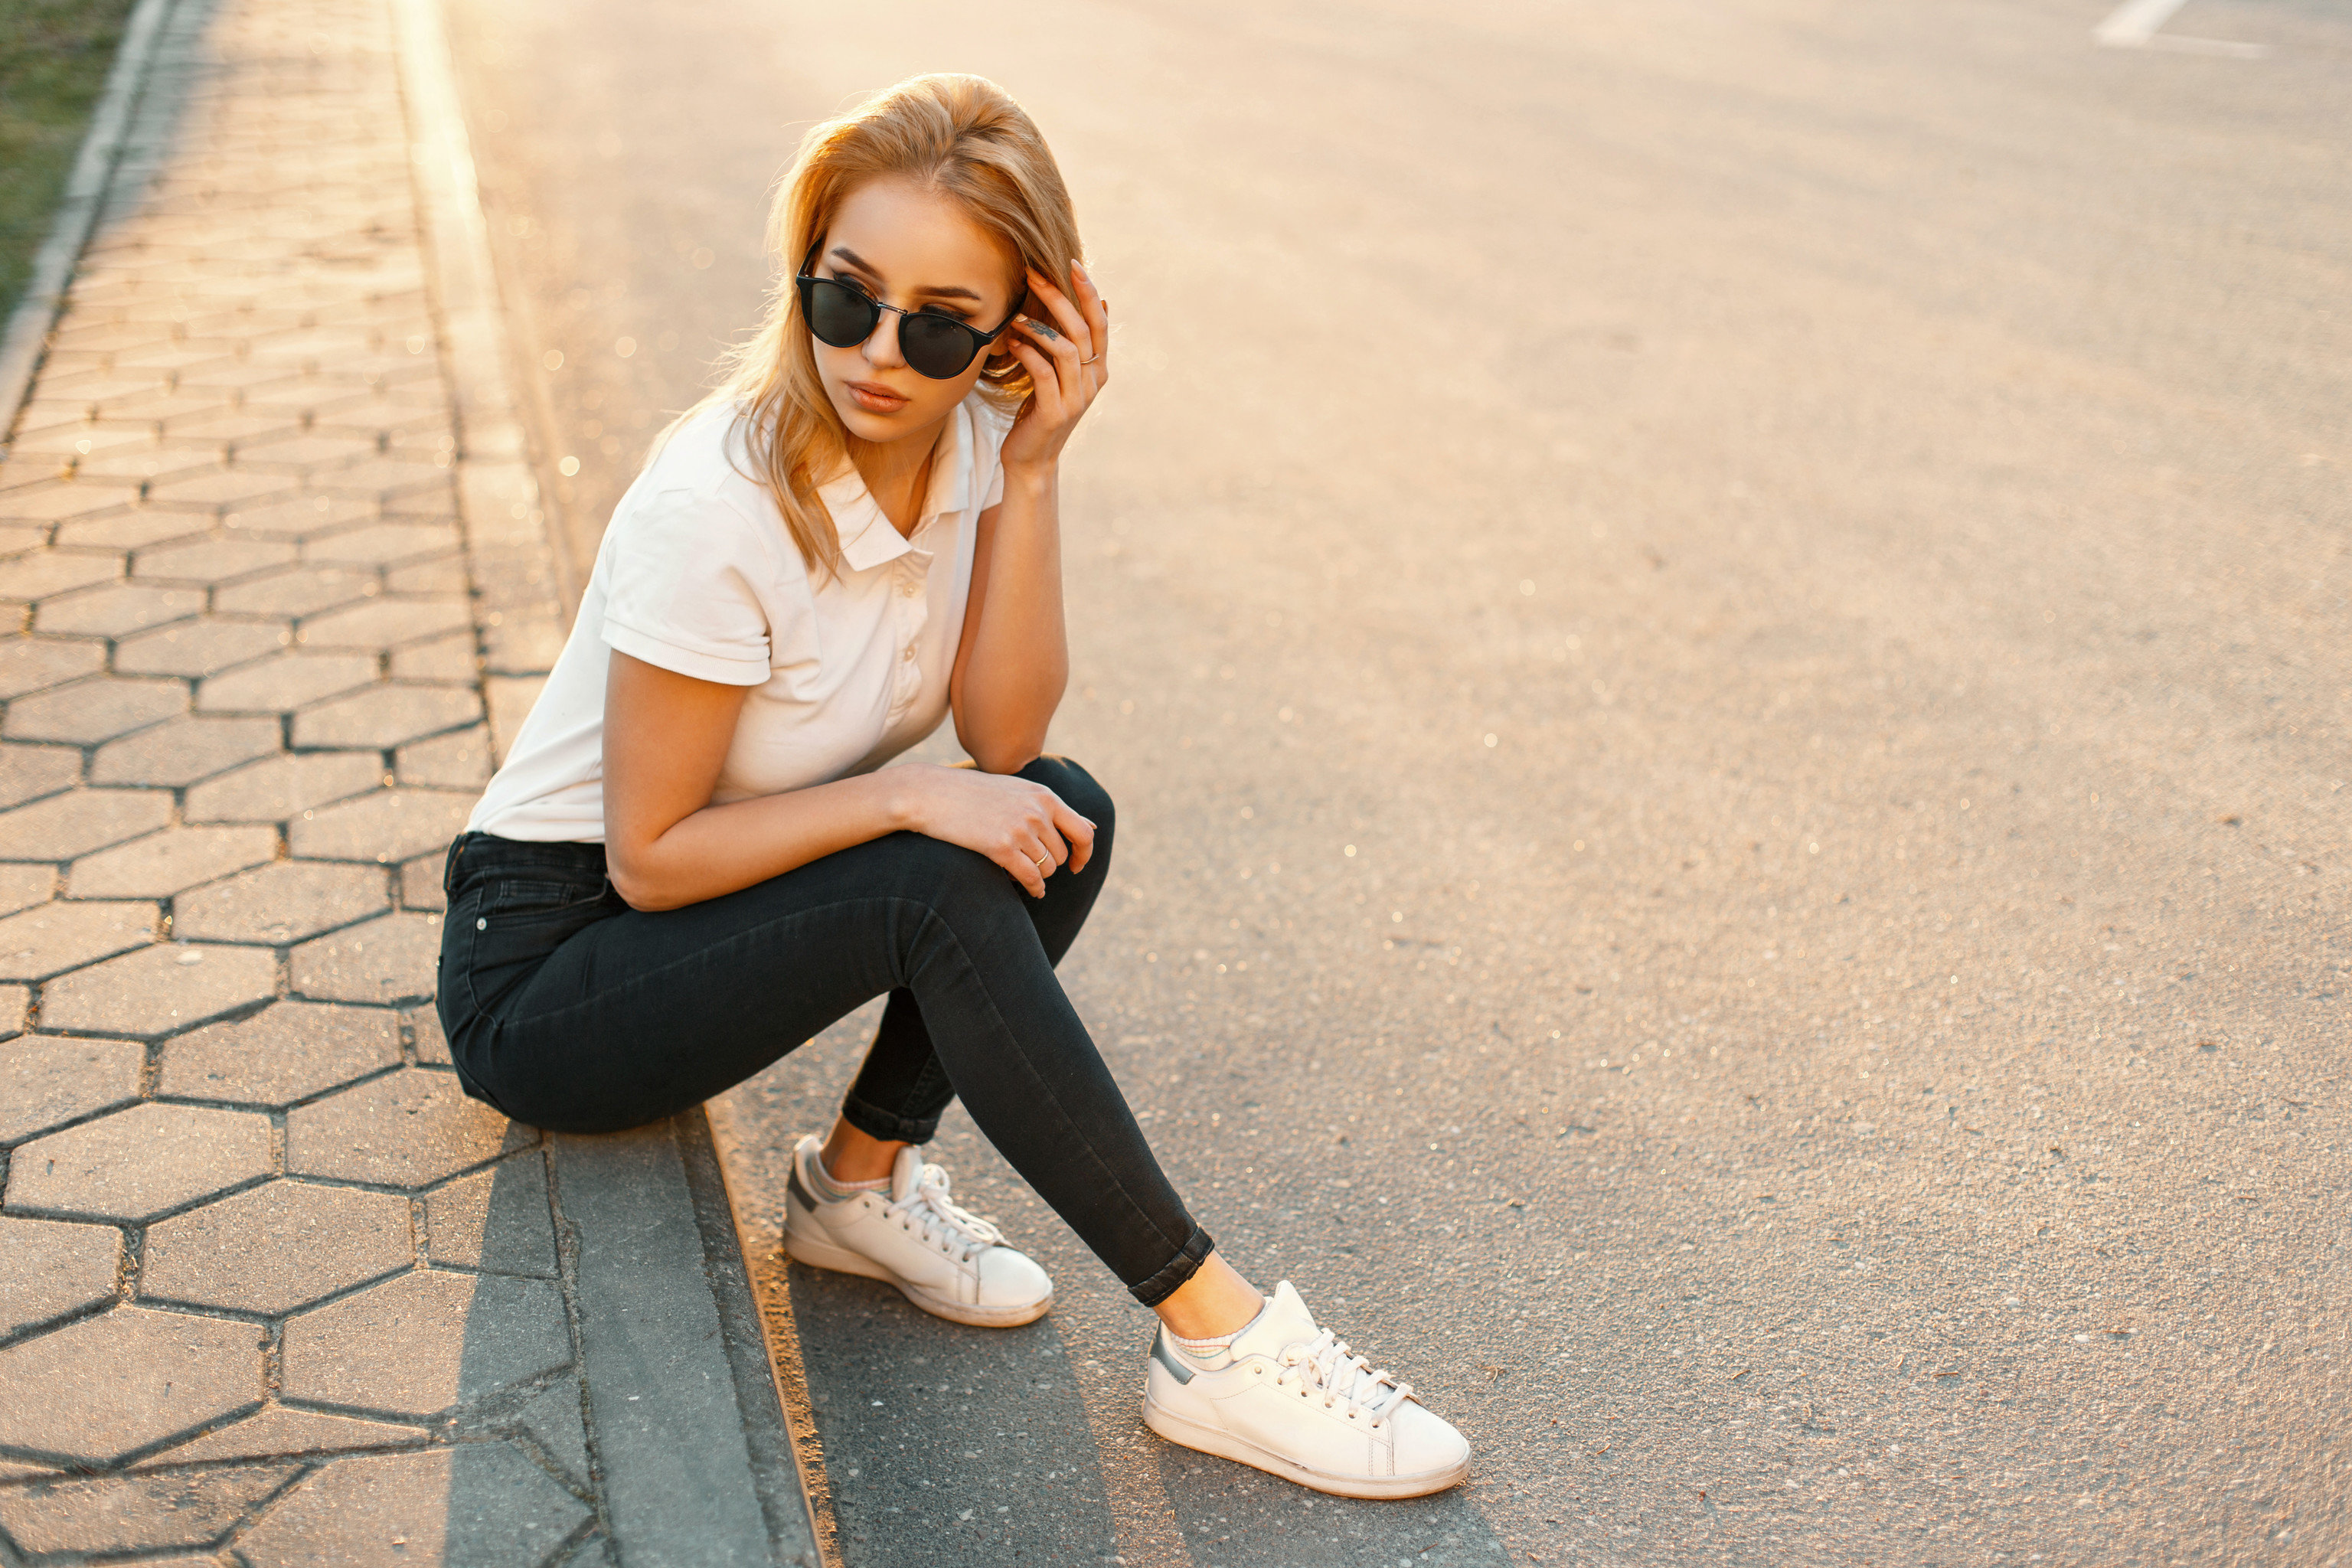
(1721,633)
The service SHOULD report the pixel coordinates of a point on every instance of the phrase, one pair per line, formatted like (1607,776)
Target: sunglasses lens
(935,346)
(840,316)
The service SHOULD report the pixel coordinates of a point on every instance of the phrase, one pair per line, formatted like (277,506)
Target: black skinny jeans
(569,1010)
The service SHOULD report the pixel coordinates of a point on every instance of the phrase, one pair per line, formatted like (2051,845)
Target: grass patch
(53,56)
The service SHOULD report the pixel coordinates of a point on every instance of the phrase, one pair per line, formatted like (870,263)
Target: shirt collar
(867,540)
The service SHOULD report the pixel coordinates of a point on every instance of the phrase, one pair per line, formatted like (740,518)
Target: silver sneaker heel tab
(1165,1354)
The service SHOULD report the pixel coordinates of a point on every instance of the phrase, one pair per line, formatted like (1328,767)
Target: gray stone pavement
(272,1289)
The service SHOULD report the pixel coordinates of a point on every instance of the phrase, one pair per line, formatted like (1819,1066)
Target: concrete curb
(86,187)
(692,1443)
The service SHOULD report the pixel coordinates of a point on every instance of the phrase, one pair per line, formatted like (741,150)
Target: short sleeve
(685,589)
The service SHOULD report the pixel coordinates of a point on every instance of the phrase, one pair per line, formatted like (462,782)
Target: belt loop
(449,865)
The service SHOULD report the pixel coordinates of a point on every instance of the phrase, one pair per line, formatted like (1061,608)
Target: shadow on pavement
(914,1409)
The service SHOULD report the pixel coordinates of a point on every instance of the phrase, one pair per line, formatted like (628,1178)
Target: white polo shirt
(697,574)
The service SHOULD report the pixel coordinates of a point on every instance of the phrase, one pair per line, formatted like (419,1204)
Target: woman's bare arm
(666,845)
(1013,660)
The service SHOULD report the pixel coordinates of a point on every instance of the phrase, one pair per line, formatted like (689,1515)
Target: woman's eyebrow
(948,291)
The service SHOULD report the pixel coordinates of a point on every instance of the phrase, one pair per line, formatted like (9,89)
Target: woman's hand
(1023,826)
(1069,363)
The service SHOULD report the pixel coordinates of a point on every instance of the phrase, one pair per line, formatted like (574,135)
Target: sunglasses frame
(807,282)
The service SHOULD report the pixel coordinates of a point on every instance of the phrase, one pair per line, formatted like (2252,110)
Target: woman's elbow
(645,894)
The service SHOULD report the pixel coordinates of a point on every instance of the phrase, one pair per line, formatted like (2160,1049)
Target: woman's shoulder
(699,478)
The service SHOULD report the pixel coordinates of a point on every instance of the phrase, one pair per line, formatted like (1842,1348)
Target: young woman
(692,860)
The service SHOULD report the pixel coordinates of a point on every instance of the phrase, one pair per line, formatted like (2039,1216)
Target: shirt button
(908,591)
(910,655)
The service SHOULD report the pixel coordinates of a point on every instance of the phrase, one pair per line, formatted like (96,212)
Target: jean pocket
(511,899)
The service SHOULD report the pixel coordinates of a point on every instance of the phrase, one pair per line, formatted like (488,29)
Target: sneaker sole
(1190,1434)
(841,1260)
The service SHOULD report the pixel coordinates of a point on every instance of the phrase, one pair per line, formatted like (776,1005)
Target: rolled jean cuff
(887,1126)
(1180,1268)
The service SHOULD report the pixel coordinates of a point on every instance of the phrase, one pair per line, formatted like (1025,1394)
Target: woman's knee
(953,879)
(1080,789)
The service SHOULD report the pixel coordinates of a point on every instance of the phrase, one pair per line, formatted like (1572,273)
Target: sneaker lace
(944,1223)
(1326,1365)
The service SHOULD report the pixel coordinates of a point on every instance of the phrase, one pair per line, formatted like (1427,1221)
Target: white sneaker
(1296,1403)
(950,1263)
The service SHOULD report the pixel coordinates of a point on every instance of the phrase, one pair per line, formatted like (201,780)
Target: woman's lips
(875,399)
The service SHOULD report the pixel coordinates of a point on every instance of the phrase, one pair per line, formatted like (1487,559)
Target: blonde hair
(960,136)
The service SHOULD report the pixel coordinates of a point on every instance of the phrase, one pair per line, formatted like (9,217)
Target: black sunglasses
(932,343)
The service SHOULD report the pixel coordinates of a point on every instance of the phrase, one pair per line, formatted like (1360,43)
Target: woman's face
(917,250)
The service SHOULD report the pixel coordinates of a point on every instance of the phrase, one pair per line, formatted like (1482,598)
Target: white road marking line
(2137,24)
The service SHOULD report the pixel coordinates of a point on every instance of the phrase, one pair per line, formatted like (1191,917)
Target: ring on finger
(1089,361)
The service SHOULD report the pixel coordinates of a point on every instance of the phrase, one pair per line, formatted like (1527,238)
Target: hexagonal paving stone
(139,1162)
(432,1044)
(47,1080)
(30,664)
(21,887)
(48,572)
(304,450)
(164,863)
(420,1343)
(286,1052)
(130,530)
(420,884)
(386,715)
(497,1220)
(201,646)
(475,1502)
(274,1429)
(277,789)
(16,1009)
(460,760)
(300,591)
(383,623)
(408,1129)
(289,681)
(150,466)
(447,661)
(213,560)
(138,1377)
(277,1246)
(63,499)
(27,772)
(446,574)
(219,488)
(238,425)
(382,476)
(384,543)
(287,901)
(163,989)
(299,517)
(112,612)
(137,1513)
(66,826)
(49,1267)
(387,826)
(182,751)
(96,710)
(387,960)
(49,938)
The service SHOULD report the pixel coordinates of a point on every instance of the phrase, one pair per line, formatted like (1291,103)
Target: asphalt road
(1722,634)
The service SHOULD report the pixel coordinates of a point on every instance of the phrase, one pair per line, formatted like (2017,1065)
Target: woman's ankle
(1216,1303)
(851,1156)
